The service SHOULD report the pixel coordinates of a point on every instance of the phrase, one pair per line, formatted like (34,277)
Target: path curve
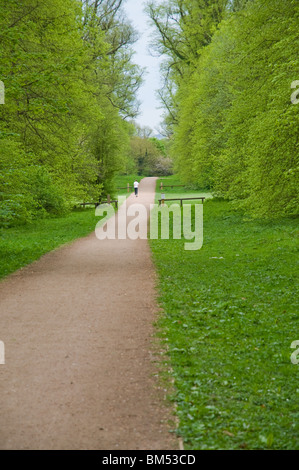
(77,327)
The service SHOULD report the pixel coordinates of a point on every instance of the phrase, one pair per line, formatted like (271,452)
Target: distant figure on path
(136,186)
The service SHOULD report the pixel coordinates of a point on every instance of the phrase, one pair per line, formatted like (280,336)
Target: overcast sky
(149,115)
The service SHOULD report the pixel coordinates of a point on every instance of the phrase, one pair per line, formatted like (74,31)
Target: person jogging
(136,186)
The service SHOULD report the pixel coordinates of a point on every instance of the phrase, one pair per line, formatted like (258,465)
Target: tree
(236,124)
(183,29)
(70,85)
(149,154)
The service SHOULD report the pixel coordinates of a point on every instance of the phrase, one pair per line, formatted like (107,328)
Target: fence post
(161,185)
(108,199)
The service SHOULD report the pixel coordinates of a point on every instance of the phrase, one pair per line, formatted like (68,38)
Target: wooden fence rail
(181,199)
(128,187)
(171,186)
(96,204)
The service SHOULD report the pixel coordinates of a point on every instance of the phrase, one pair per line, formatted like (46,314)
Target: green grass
(23,245)
(178,192)
(230,316)
(175,180)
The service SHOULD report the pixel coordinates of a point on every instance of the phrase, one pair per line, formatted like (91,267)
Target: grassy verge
(23,245)
(178,186)
(176,191)
(230,316)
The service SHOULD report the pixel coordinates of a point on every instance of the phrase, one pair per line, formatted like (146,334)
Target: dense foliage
(70,84)
(148,156)
(228,94)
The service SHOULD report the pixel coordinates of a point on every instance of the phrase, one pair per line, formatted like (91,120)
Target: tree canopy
(228,78)
(70,88)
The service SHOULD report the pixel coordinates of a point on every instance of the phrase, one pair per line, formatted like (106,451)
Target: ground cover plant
(230,314)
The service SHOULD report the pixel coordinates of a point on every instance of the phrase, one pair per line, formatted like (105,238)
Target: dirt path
(77,329)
